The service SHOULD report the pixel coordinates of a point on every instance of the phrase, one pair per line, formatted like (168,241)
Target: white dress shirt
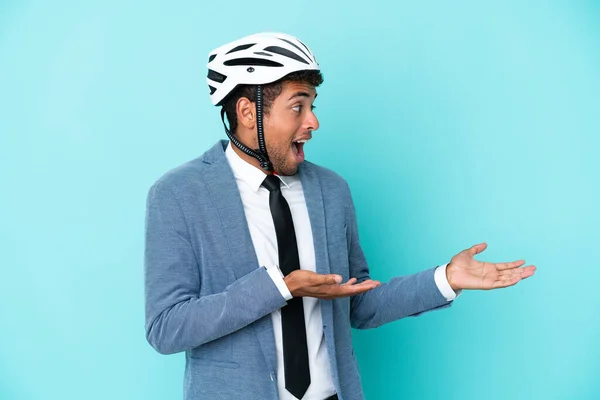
(255,199)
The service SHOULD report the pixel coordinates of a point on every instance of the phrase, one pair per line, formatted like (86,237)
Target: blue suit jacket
(206,294)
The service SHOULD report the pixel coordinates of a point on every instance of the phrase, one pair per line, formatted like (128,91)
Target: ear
(246,113)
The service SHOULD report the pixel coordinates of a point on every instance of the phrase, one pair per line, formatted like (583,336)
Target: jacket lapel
(313,195)
(224,192)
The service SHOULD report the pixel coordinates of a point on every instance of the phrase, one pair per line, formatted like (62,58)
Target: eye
(298,107)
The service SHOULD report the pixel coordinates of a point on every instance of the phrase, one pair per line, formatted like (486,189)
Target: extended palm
(464,272)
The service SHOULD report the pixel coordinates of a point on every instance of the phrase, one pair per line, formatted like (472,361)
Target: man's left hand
(464,272)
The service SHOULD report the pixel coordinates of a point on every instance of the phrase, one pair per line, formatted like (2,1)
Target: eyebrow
(302,94)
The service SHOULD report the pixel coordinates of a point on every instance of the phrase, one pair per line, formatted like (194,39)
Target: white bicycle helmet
(257,59)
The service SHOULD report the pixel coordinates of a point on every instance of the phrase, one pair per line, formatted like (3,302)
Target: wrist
(289,282)
(449,277)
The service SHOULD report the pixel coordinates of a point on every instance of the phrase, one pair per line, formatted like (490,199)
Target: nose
(312,122)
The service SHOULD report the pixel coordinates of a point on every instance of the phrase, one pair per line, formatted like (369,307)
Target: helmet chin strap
(261,153)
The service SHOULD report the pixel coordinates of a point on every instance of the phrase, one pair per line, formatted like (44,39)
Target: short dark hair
(270,93)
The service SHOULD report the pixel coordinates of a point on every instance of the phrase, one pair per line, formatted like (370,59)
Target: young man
(253,264)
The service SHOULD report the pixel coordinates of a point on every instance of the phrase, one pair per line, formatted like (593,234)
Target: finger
(478,248)
(352,281)
(507,281)
(335,291)
(351,290)
(510,279)
(328,279)
(509,265)
(523,272)
(530,269)
(368,282)
(348,291)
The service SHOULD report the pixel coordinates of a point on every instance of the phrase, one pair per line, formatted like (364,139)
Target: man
(253,264)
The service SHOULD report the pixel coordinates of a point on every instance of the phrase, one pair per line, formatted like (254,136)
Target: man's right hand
(302,283)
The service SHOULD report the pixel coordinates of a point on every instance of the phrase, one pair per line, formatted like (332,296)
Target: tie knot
(272,182)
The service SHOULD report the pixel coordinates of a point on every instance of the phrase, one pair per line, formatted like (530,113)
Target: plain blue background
(454,123)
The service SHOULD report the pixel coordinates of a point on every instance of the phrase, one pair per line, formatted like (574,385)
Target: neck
(249,159)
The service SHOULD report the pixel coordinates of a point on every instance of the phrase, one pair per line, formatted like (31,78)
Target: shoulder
(185,176)
(177,176)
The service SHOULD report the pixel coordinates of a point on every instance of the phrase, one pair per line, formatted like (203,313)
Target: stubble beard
(280,162)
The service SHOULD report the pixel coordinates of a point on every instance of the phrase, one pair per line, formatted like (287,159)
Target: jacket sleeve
(177,317)
(402,296)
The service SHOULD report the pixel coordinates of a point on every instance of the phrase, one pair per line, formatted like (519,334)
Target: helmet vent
(286,53)
(293,44)
(302,43)
(252,61)
(215,76)
(212,89)
(211,57)
(262,53)
(241,47)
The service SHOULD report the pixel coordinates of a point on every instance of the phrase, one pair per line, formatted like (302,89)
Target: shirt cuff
(277,277)
(442,283)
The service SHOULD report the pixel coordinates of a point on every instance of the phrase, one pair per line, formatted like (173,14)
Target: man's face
(289,122)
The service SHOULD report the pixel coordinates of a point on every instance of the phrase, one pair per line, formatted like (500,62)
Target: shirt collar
(247,172)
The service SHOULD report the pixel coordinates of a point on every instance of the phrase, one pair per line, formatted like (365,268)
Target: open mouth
(298,149)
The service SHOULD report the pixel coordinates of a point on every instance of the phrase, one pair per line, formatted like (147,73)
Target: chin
(287,170)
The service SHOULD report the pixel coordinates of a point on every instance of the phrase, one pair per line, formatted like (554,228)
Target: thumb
(478,248)
(332,279)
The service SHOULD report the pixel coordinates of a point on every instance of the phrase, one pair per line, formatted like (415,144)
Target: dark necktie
(295,350)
